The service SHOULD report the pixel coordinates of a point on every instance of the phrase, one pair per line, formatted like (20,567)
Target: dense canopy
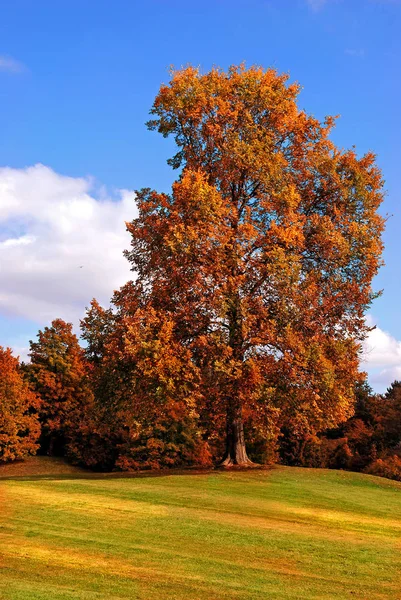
(262,256)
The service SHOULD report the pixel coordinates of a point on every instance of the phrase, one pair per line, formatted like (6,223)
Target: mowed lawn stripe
(219,535)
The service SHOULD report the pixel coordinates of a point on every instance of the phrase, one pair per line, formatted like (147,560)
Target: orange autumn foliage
(370,441)
(19,425)
(160,396)
(262,256)
(58,372)
(145,390)
(247,311)
(252,278)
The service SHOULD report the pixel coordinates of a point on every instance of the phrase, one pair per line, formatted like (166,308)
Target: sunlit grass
(286,533)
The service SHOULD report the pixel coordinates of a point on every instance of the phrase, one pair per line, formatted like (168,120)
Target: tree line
(57,405)
(239,337)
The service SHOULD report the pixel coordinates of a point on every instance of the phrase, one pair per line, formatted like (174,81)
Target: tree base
(231,463)
(235,454)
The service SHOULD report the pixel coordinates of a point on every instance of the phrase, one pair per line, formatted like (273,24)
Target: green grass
(286,533)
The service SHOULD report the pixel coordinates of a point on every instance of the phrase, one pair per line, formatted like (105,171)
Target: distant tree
(375,428)
(261,259)
(369,441)
(19,425)
(387,418)
(96,327)
(58,373)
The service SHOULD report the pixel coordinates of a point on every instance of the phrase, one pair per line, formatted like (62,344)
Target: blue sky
(77,79)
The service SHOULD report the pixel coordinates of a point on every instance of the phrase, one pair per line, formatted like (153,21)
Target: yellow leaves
(292,197)
(234,117)
(195,198)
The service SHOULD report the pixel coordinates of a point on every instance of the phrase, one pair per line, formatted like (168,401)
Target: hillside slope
(287,533)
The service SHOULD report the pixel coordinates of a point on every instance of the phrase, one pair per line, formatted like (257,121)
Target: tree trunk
(235,453)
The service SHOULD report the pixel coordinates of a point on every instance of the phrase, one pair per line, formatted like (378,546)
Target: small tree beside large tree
(58,372)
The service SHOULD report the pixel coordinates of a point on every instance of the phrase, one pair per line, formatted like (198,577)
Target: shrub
(389,467)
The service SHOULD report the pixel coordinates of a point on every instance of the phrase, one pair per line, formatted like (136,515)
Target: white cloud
(21,352)
(11,65)
(24,240)
(59,245)
(381,349)
(381,357)
(382,380)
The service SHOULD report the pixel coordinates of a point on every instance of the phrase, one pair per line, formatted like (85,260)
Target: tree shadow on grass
(52,469)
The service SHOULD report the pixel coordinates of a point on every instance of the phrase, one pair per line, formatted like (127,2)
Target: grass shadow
(41,468)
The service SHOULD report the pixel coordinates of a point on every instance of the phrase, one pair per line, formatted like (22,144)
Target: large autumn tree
(19,406)
(262,256)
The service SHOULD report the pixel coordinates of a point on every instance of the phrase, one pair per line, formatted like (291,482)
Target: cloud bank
(381,357)
(60,245)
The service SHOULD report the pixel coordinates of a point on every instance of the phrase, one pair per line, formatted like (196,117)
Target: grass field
(284,533)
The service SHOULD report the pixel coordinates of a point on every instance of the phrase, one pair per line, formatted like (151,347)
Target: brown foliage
(389,467)
(247,312)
